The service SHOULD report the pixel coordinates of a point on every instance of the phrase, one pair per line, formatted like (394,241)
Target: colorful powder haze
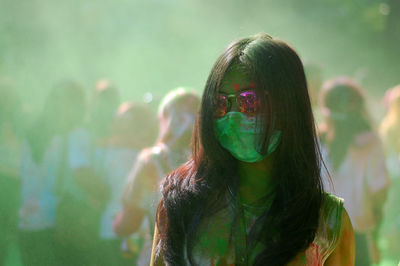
(147,48)
(154,46)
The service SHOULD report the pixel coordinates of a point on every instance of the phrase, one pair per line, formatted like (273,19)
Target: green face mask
(236,132)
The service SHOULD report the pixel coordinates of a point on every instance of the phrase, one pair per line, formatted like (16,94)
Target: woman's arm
(128,220)
(141,184)
(344,253)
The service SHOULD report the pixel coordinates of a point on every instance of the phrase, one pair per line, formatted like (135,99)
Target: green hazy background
(156,45)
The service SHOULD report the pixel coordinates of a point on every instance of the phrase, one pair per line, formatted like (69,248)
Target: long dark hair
(196,190)
(343,105)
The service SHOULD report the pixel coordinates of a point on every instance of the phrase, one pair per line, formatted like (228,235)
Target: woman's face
(235,118)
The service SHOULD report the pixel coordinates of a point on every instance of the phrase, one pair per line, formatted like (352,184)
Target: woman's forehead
(235,80)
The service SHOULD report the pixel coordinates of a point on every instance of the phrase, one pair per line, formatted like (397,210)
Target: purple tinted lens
(248,102)
(221,105)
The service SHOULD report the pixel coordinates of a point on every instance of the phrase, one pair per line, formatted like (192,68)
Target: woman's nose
(234,106)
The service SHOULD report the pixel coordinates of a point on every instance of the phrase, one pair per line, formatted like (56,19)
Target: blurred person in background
(252,194)
(176,114)
(355,159)
(41,164)
(315,79)
(134,128)
(390,133)
(10,160)
(103,105)
(390,94)
(82,193)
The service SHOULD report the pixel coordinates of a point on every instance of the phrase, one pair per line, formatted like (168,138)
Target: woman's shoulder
(329,227)
(331,214)
(331,201)
(335,233)
(153,153)
(149,155)
(334,226)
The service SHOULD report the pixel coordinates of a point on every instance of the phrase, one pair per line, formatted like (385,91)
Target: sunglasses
(248,102)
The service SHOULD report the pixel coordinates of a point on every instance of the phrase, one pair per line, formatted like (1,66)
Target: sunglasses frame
(236,95)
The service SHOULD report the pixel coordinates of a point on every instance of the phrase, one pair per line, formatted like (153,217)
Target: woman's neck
(254,180)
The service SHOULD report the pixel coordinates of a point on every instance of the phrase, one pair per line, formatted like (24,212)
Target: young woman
(390,132)
(252,192)
(176,115)
(355,158)
(41,163)
(132,130)
(390,127)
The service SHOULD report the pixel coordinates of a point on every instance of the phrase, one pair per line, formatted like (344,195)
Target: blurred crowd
(80,181)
